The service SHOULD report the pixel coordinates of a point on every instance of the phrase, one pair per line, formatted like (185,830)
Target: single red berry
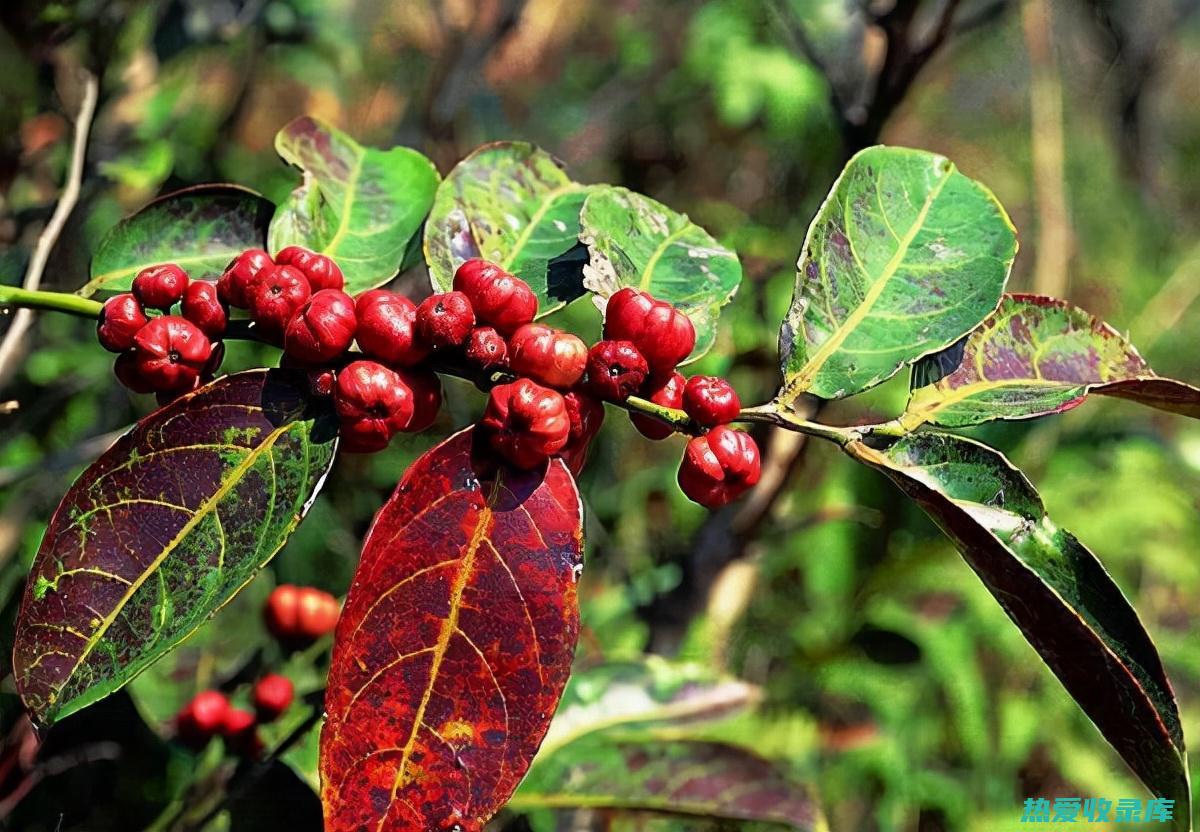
(665,391)
(548,355)
(711,400)
(272,696)
(125,368)
(374,404)
(323,329)
(487,347)
(525,422)
(160,287)
(426,396)
(202,306)
(275,296)
(321,271)
(498,298)
(170,353)
(663,335)
(299,615)
(120,320)
(615,370)
(719,466)
(445,320)
(234,285)
(321,381)
(586,415)
(317,613)
(386,324)
(240,730)
(201,718)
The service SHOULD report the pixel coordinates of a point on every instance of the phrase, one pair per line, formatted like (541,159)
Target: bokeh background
(892,682)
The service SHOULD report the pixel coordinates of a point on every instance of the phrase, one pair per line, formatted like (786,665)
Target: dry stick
(49,236)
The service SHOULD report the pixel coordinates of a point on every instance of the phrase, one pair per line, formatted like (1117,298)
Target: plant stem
(19,298)
(772,415)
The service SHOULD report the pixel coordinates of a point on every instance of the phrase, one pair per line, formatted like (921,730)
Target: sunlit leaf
(636,241)
(1054,590)
(905,257)
(511,203)
(162,530)
(454,644)
(361,206)
(1035,356)
(200,228)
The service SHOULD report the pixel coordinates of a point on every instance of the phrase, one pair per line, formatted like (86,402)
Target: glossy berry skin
(373,404)
(719,467)
(202,306)
(170,353)
(444,321)
(120,320)
(125,368)
(272,696)
(322,272)
(498,298)
(666,391)
(526,423)
(323,329)
(426,396)
(615,370)
(487,348)
(387,328)
(202,718)
(240,730)
(711,400)
(586,414)
(548,355)
(234,285)
(299,615)
(160,287)
(275,296)
(663,335)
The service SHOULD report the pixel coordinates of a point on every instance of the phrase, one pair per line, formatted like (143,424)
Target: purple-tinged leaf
(1035,356)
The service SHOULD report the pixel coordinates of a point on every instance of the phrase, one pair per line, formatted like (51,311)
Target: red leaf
(453,647)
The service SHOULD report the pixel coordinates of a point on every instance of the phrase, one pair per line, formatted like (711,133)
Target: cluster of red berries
(299,615)
(209,714)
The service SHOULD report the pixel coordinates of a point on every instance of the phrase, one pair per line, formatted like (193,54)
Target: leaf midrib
(537,216)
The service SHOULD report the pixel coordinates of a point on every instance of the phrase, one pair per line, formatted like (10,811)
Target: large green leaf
(905,257)
(361,206)
(636,241)
(1055,591)
(163,529)
(511,203)
(1033,356)
(200,228)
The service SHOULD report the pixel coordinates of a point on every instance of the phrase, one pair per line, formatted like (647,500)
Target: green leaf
(1055,591)
(1034,356)
(200,228)
(905,257)
(162,530)
(636,241)
(358,205)
(511,203)
(697,779)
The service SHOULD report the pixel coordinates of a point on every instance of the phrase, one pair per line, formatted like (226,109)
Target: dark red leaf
(454,645)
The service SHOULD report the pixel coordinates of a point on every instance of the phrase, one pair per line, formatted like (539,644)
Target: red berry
(548,355)
(323,329)
(374,404)
(120,320)
(321,271)
(486,347)
(272,696)
(719,467)
(125,368)
(615,370)
(234,285)
(386,322)
(201,718)
(321,381)
(240,730)
(711,400)
(426,396)
(170,353)
(587,415)
(275,296)
(299,615)
(445,320)
(664,335)
(666,391)
(525,422)
(160,287)
(498,298)
(202,306)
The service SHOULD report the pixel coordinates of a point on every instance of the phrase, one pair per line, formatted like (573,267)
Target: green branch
(18,298)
